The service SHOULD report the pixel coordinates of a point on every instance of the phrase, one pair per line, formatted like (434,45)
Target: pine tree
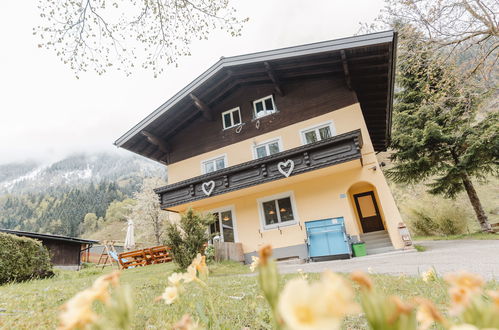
(436,134)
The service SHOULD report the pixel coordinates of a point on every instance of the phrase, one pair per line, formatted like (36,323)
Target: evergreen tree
(436,133)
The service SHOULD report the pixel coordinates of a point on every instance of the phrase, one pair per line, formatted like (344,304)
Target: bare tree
(146,214)
(100,34)
(468,28)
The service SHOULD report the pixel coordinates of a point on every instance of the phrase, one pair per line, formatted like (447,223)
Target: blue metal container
(327,238)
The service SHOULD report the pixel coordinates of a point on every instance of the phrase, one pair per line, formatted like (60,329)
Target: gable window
(267,148)
(278,211)
(231,118)
(214,164)
(264,106)
(318,133)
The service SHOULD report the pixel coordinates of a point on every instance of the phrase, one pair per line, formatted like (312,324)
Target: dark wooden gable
(303,100)
(361,66)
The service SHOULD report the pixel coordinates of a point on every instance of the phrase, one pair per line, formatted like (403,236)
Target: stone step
(378,245)
(380,250)
(373,234)
(377,240)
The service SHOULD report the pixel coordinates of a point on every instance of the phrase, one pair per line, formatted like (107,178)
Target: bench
(160,254)
(132,259)
(148,256)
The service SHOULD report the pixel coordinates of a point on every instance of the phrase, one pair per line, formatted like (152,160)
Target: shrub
(438,217)
(187,238)
(22,258)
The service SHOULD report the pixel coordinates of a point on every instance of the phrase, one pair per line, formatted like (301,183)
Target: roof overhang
(48,236)
(366,61)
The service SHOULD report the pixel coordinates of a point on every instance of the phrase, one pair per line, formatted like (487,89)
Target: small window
(214,164)
(231,118)
(317,133)
(264,106)
(267,149)
(278,211)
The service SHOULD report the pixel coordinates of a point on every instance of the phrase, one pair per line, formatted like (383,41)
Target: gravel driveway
(477,256)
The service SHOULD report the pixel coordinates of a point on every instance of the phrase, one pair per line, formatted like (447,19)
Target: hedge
(22,258)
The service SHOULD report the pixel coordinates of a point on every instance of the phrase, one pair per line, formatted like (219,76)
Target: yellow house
(270,141)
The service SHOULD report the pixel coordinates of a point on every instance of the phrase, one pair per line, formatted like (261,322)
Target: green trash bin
(359,249)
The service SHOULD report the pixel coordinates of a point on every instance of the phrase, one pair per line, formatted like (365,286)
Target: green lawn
(35,304)
(478,236)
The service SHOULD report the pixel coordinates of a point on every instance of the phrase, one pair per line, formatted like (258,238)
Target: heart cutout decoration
(208,187)
(286,168)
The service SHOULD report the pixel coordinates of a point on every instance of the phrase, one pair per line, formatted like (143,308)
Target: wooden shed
(64,251)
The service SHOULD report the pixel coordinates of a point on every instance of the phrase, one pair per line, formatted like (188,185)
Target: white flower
(254,263)
(170,294)
(429,276)
(175,279)
(321,305)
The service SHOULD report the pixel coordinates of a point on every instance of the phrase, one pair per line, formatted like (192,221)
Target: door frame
(232,209)
(359,213)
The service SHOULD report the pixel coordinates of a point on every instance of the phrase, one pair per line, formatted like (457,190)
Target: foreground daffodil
(254,263)
(170,295)
(77,312)
(320,305)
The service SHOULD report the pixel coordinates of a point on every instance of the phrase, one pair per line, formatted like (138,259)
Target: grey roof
(282,53)
(48,236)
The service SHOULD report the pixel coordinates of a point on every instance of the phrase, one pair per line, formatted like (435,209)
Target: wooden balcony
(335,150)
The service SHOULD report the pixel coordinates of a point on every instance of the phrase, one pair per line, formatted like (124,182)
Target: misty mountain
(77,170)
(54,198)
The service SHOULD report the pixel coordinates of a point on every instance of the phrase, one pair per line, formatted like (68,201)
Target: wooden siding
(302,100)
(63,253)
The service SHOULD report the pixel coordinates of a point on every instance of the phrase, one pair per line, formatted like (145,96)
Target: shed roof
(368,60)
(48,236)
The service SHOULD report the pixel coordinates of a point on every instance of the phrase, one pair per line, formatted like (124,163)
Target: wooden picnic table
(144,257)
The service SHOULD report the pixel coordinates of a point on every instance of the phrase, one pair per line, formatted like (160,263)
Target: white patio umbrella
(129,239)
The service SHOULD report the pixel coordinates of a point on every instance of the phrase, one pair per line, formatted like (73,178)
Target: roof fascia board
(289,52)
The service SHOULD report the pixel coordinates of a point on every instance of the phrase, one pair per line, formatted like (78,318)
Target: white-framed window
(231,118)
(317,133)
(214,164)
(278,211)
(224,225)
(264,106)
(267,148)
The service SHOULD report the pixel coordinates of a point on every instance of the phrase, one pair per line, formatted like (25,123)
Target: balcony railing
(335,150)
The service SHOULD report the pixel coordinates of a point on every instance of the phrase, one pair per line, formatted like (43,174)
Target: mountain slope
(54,198)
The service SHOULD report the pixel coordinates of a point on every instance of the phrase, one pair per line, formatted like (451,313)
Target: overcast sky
(46,113)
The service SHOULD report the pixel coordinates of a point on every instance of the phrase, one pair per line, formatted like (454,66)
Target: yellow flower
(202,268)
(465,280)
(299,307)
(427,314)
(186,323)
(460,298)
(175,279)
(320,305)
(197,261)
(494,295)
(77,312)
(337,295)
(170,294)
(254,263)
(264,252)
(429,275)
(190,275)
(362,279)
